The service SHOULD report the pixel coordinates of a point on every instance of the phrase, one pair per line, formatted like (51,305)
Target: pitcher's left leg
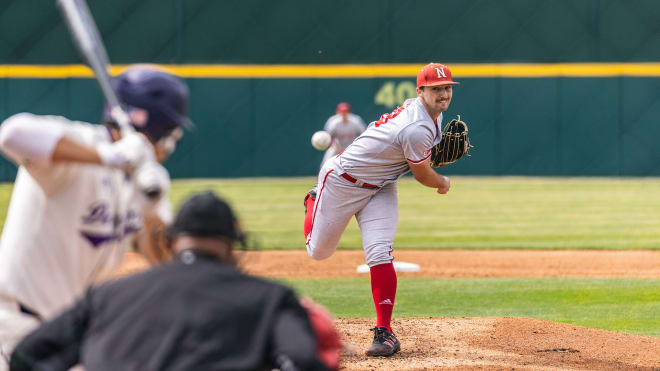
(378,221)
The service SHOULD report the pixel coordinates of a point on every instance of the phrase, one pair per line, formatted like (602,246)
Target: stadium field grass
(483,213)
(477,213)
(626,305)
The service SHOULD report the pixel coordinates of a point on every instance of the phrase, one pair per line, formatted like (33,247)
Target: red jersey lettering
(388,116)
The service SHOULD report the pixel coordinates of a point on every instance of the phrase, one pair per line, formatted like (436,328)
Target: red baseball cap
(343,107)
(434,74)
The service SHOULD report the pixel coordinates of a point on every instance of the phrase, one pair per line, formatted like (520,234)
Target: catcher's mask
(155,100)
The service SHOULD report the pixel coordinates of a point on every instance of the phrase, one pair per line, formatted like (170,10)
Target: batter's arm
(69,150)
(32,140)
(125,153)
(424,173)
(40,141)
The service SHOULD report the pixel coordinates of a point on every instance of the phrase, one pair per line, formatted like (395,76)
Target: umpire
(195,313)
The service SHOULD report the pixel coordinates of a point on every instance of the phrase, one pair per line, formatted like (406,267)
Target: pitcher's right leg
(308,202)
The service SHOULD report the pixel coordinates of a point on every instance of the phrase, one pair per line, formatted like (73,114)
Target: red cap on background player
(434,74)
(343,107)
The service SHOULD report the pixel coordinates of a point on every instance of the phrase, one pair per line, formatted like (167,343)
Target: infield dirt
(486,343)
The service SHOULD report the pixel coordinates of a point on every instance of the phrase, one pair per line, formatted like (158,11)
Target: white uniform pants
(14,325)
(337,200)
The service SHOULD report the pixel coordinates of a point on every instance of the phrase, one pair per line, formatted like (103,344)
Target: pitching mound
(499,343)
(480,343)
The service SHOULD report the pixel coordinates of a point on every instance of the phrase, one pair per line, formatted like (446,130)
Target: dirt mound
(480,343)
(495,343)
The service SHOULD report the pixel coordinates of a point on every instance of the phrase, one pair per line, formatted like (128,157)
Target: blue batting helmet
(155,100)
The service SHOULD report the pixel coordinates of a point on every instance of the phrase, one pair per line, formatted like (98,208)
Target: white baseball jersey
(380,154)
(344,132)
(378,157)
(68,224)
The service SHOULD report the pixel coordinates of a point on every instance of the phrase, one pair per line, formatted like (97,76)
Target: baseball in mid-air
(321,140)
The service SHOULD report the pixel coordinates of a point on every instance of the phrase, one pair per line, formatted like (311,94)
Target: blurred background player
(80,193)
(343,127)
(362,182)
(197,313)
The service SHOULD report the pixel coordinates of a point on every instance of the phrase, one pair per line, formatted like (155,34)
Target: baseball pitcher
(80,193)
(362,182)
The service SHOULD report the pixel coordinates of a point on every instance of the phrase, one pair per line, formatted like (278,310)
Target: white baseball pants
(14,325)
(337,200)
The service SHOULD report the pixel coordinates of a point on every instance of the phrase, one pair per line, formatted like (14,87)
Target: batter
(361,181)
(74,207)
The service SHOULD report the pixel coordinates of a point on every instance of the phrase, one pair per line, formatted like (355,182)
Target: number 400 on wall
(393,94)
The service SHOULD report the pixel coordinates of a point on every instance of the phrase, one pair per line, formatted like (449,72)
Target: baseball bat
(88,41)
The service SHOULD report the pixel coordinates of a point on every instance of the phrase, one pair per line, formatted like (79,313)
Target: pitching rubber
(398,267)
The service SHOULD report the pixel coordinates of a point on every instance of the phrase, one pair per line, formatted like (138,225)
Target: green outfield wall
(548,87)
(341,31)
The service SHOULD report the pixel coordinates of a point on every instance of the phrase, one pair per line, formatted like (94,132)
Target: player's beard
(442,105)
(438,106)
(434,104)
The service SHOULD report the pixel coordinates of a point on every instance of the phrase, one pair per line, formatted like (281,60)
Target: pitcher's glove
(454,144)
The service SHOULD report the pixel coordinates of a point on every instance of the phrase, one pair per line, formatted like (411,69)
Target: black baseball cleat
(385,343)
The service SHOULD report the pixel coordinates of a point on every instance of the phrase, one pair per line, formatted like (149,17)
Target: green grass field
(478,213)
(627,305)
(483,213)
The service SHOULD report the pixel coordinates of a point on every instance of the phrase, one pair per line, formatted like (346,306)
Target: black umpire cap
(205,215)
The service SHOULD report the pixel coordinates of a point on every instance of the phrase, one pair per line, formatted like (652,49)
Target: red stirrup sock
(383,289)
(309,205)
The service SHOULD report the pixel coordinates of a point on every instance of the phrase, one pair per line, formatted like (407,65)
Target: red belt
(358,183)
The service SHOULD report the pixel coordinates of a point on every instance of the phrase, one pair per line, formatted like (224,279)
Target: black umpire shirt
(192,314)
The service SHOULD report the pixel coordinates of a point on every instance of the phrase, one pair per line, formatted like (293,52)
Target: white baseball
(321,140)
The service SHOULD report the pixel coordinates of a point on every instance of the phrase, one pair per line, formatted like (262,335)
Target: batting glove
(128,153)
